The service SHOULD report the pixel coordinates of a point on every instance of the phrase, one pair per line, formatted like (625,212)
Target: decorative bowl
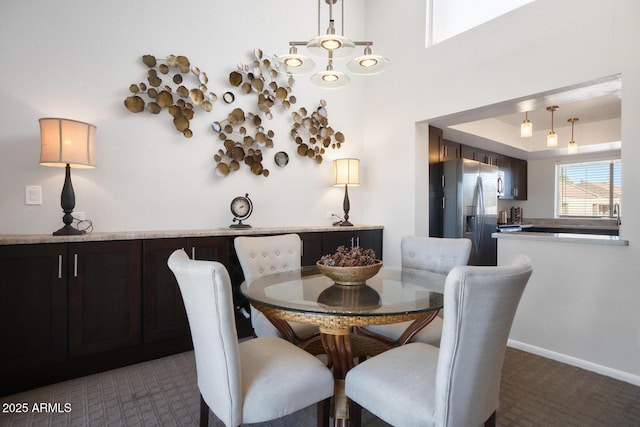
(350,275)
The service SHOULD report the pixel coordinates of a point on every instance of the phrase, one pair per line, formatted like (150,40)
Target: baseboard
(574,361)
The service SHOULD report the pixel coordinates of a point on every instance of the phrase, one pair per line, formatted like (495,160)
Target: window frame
(612,160)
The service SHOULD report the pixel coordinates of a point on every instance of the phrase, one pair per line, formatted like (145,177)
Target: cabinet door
(504,164)
(468,152)
(368,239)
(104,296)
(163,311)
(487,157)
(220,249)
(519,169)
(33,305)
(449,150)
(209,249)
(311,248)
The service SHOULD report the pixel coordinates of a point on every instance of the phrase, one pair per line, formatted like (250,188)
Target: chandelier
(332,46)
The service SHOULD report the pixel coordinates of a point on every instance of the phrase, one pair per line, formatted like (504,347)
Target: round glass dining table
(306,296)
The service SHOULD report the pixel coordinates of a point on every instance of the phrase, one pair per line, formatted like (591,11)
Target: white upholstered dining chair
(457,384)
(435,254)
(254,381)
(261,255)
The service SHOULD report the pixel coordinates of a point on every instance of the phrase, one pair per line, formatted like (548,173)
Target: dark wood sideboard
(83,306)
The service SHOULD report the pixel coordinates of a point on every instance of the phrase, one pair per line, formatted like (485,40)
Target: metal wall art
(242,133)
(176,98)
(243,137)
(262,79)
(315,127)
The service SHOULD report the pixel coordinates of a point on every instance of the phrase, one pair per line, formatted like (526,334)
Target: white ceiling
(597,105)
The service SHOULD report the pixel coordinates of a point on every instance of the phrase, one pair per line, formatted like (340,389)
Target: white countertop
(18,239)
(596,239)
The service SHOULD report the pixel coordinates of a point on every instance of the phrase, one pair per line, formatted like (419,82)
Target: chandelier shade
(368,63)
(526,128)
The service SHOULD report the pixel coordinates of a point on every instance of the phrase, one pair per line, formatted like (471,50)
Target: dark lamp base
(68,230)
(345,223)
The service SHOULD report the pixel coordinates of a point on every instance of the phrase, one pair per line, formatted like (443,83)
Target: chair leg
(204,413)
(491,421)
(355,414)
(324,408)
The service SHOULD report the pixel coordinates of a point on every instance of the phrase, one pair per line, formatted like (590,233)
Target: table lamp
(67,143)
(345,172)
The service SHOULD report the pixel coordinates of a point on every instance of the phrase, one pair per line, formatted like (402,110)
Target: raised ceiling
(597,104)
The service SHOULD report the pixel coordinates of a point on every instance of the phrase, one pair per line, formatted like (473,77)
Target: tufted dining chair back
(254,381)
(457,384)
(262,255)
(437,254)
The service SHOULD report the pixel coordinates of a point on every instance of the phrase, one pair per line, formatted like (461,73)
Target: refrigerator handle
(480,216)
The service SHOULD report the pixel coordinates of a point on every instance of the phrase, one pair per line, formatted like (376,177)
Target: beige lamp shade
(345,171)
(67,141)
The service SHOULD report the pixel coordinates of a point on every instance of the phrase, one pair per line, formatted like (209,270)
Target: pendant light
(331,46)
(552,137)
(572,148)
(526,128)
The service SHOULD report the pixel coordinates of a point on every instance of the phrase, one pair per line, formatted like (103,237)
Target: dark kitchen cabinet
(468,152)
(449,150)
(104,296)
(209,249)
(33,306)
(76,308)
(519,177)
(487,157)
(436,194)
(367,239)
(515,177)
(311,250)
(163,310)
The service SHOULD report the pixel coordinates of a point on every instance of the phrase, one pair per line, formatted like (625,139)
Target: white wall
(506,59)
(76,59)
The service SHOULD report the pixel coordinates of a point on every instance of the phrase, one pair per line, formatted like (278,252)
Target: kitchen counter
(595,239)
(19,239)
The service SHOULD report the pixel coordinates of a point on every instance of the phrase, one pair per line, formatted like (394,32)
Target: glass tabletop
(391,291)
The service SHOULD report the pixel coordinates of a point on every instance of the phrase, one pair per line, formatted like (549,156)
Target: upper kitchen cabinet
(515,177)
(519,178)
(441,149)
(449,150)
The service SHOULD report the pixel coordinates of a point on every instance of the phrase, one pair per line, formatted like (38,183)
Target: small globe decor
(350,266)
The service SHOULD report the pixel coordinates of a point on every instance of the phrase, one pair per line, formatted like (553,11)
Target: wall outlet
(80,216)
(330,214)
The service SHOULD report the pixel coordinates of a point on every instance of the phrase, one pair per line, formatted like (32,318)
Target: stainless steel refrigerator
(470,206)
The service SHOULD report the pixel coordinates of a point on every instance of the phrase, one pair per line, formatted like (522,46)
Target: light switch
(32,195)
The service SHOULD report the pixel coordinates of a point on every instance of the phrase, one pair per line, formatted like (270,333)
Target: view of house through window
(588,189)
(447,18)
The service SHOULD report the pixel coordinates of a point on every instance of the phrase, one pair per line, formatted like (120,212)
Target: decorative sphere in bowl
(357,275)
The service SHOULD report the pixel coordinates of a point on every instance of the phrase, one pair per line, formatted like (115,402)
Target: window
(589,189)
(447,18)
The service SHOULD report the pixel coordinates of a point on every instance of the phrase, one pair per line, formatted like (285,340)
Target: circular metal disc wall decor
(281,158)
(319,135)
(178,100)
(228,97)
